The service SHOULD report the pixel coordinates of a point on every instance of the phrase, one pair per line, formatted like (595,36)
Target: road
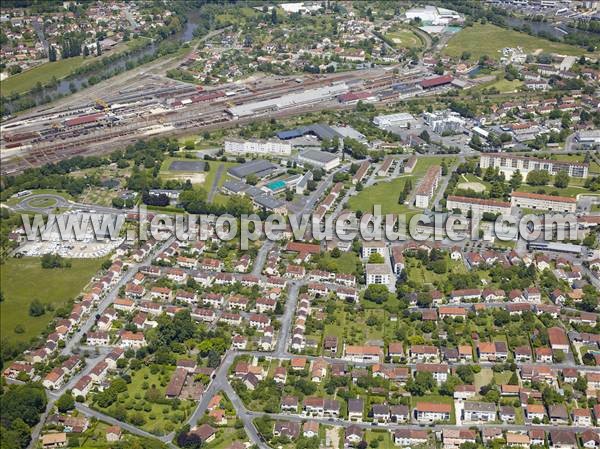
(110,298)
(215,184)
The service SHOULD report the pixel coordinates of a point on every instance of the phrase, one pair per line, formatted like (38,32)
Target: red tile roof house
(496,351)
(54,379)
(363,353)
(430,412)
(205,432)
(259,321)
(439,371)
(132,340)
(424,353)
(558,339)
(396,350)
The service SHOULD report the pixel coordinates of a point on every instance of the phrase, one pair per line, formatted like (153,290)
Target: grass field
(418,273)
(24,279)
(385,194)
(404,39)
(489,39)
(503,86)
(27,80)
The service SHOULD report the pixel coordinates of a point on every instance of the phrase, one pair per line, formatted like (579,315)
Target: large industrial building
(255,146)
(508,164)
(428,186)
(321,159)
(304,98)
(400,120)
(259,168)
(433,15)
(477,205)
(590,138)
(543,202)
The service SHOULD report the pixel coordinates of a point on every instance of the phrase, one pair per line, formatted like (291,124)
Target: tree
(561,180)
(516,180)
(378,293)
(36,308)
(538,178)
(65,402)
(376,258)
(425,136)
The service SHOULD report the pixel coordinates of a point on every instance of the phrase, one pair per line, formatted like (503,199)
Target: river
(557,30)
(63,87)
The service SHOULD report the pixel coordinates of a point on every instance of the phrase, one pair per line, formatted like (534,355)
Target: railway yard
(152,105)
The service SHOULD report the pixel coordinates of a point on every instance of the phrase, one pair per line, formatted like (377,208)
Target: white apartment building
(372,247)
(477,205)
(255,146)
(378,273)
(509,164)
(428,186)
(543,202)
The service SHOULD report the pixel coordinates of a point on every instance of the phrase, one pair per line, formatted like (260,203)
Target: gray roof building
(257,167)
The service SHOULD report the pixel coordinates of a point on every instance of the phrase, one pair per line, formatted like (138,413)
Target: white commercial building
(255,146)
(543,202)
(444,121)
(322,159)
(508,164)
(400,120)
(477,205)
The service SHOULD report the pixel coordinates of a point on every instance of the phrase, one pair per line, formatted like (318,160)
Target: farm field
(24,279)
(489,39)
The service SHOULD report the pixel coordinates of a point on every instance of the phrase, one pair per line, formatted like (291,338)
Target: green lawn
(570,191)
(489,39)
(24,279)
(483,377)
(384,194)
(346,263)
(383,438)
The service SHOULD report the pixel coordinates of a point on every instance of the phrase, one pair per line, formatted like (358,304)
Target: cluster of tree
(20,407)
(538,178)
(50,261)
(357,149)
(123,203)
(405,191)
(36,308)
(71,44)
